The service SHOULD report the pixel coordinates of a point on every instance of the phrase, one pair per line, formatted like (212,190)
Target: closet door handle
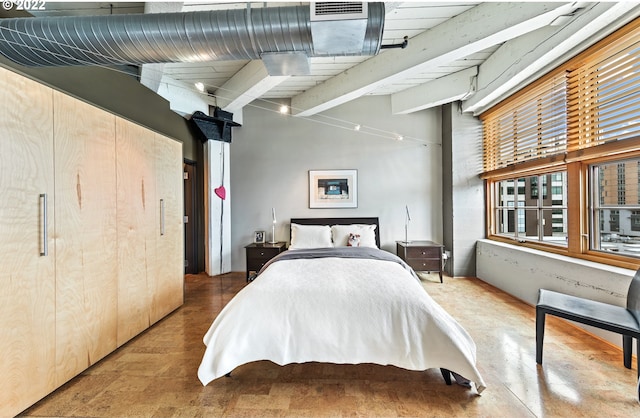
(161,216)
(44,245)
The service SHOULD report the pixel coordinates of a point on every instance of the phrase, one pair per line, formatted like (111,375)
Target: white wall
(521,272)
(271,155)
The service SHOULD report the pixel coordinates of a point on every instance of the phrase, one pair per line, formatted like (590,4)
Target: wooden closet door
(27,278)
(167,292)
(85,197)
(137,224)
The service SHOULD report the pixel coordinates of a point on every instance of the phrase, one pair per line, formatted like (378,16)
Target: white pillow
(310,236)
(340,234)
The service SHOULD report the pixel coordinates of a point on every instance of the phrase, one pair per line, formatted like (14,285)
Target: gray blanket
(340,252)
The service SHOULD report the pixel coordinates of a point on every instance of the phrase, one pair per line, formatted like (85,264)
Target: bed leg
(446,374)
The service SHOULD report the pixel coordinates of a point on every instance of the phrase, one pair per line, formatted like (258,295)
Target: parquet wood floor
(154,375)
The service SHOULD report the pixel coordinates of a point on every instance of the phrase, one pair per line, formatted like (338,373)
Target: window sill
(600,258)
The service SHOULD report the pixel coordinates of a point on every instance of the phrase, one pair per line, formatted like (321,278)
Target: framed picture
(333,188)
(258,237)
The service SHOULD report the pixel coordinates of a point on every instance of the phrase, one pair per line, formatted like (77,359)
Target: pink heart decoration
(220,192)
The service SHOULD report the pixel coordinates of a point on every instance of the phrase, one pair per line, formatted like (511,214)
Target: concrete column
(217,211)
(463,207)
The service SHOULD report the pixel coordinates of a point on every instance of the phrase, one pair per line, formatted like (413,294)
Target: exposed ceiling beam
(183,97)
(443,90)
(520,61)
(151,76)
(478,28)
(248,84)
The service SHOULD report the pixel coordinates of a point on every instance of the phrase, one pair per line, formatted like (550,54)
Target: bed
(325,301)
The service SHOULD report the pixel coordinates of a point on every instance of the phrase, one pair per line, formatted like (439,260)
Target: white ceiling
(401,19)
(476,52)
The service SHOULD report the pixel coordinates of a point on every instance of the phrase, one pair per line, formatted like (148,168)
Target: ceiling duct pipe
(237,34)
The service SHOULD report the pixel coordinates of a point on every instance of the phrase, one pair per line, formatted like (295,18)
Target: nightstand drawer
(422,264)
(262,253)
(423,252)
(255,264)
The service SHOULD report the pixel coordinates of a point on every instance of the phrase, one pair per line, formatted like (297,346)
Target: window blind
(529,127)
(604,98)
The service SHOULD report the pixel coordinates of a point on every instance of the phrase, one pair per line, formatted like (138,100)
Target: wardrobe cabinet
(150,228)
(27,253)
(91,236)
(137,223)
(86,272)
(167,292)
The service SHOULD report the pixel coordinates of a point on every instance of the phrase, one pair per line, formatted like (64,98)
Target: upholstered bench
(624,321)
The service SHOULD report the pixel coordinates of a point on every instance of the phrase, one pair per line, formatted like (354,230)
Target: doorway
(190,218)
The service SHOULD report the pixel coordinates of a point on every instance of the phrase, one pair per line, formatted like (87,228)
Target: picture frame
(259,237)
(333,189)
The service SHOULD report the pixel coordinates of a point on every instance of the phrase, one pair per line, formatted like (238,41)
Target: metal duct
(169,37)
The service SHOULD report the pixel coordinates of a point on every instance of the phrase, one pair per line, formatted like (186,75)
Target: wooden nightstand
(259,254)
(421,255)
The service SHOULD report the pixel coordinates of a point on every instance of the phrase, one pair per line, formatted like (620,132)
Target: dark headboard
(340,221)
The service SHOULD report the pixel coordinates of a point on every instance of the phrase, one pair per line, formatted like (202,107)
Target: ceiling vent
(338,28)
(336,10)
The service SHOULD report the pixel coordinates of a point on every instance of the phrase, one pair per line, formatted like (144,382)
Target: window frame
(578,214)
(538,206)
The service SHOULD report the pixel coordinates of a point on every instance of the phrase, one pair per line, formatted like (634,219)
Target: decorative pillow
(340,234)
(310,236)
(354,240)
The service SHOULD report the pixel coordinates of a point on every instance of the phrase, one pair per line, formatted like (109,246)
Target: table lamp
(273,226)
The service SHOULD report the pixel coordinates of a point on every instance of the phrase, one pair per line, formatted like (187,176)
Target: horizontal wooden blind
(604,98)
(531,126)
(602,106)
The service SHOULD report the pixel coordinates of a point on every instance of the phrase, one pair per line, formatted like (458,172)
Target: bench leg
(638,364)
(540,318)
(627,344)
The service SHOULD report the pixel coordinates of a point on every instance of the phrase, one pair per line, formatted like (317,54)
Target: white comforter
(335,310)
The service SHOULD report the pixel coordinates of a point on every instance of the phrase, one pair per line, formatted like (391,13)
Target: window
(621,184)
(534,187)
(635,220)
(618,220)
(532,216)
(562,156)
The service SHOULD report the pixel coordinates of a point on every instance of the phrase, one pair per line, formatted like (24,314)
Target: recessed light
(200,86)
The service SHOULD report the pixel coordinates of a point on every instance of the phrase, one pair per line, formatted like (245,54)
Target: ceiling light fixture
(200,86)
(356,128)
(284,109)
